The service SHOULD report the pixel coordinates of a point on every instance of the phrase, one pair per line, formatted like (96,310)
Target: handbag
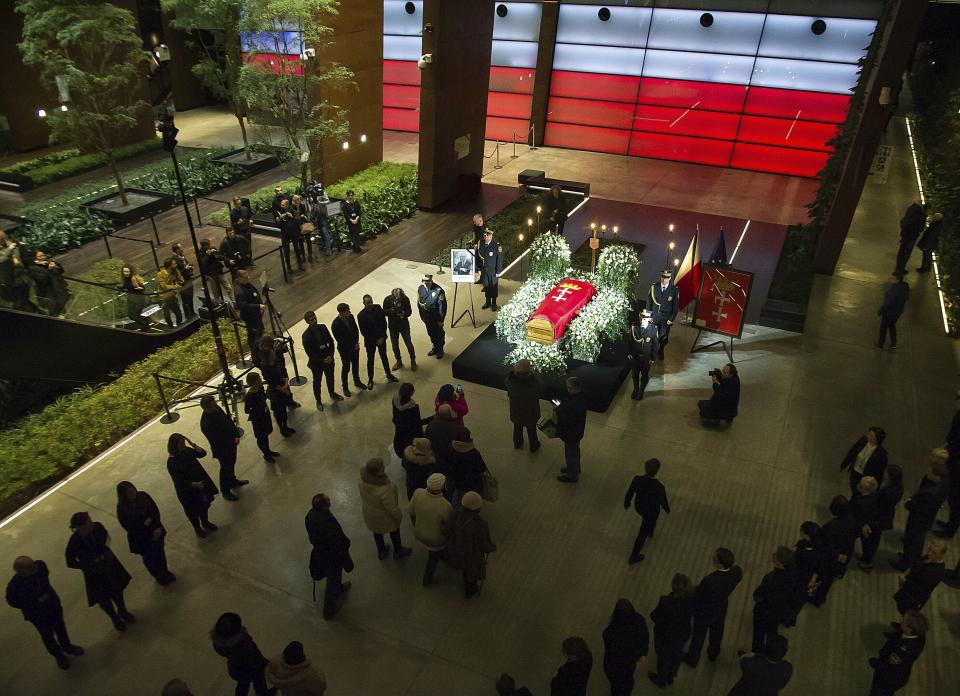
(491,487)
(307,228)
(548,425)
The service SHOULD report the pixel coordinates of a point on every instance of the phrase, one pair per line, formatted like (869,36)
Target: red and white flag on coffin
(687,276)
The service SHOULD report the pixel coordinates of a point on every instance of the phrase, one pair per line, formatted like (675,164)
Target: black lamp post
(169,132)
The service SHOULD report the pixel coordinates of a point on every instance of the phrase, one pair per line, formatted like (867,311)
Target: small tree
(214,27)
(285,75)
(95,51)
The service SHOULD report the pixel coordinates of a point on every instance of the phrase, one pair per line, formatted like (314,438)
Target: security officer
(643,349)
(432,304)
(492,254)
(663,301)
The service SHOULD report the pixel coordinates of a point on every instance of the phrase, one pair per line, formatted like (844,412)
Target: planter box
(788,316)
(13,224)
(258,163)
(18,183)
(141,205)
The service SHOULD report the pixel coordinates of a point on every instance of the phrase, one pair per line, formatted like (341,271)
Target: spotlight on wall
(363,138)
(410,8)
(706,20)
(63,107)
(346,145)
(818,27)
(42,113)
(604,14)
(502,10)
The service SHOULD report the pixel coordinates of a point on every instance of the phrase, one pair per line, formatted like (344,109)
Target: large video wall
(741,89)
(759,90)
(516,29)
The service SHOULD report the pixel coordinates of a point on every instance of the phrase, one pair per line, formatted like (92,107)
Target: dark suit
(664,303)
(330,555)
(38,601)
(398,313)
(710,611)
(953,463)
(492,255)
(222,433)
(894,302)
(318,345)
(894,664)
(643,345)
(571,424)
(671,630)
(922,508)
(372,322)
(350,211)
(248,305)
(874,466)
(347,334)
(772,602)
(922,580)
(649,497)
(572,677)
(725,402)
(929,243)
(911,225)
(761,677)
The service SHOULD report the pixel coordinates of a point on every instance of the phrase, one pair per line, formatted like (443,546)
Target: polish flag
(687,276)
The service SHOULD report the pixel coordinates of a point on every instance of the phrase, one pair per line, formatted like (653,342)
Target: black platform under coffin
(482,363)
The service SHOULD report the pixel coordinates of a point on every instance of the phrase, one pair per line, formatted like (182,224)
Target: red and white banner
(547,324)
(722,300)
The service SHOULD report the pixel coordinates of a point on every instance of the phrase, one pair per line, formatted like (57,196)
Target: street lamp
(169,132)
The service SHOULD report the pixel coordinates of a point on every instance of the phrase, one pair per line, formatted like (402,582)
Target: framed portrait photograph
(462,265)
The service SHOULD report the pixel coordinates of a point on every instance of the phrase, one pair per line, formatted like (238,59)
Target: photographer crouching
(726,397)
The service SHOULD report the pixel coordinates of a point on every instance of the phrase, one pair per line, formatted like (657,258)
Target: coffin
(547,324)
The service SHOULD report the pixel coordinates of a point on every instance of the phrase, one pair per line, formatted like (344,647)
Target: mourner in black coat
(258,413)
(774,598)
(492,254)
(709,606)
(725,402)
(372,323)
(626,642)
(407,422)
(30,591)
(892,667)
(251,307)
(571,425)
(319,347)
(867,457)
(911,225)
(397,307)
(347,334)
(104,576)
(330,555)
(888,497)
(140,518)
(224,437)
(894,302)
(572,676)
(195,488)
(245,662)
(837,539)
(930,242)
(922,507)
(671,629)
(49,285)
(922,578)
(353,214)
(649,497)
(764,674)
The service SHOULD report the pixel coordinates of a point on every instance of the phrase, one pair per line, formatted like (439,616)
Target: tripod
(279,328)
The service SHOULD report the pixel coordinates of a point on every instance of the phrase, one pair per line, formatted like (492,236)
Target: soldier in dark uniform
(432,303)
(891,668)
(492,254)
(663,301)
(643,347)
(351,213)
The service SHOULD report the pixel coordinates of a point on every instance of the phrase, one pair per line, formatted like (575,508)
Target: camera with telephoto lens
(716,373)
(315,192)
(279,345)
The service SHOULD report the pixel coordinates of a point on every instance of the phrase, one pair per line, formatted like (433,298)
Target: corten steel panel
(453,95)
(680,148)
(779,160)
(356,42)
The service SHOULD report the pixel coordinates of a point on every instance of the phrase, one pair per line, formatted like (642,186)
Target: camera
(715,373)
(279,345)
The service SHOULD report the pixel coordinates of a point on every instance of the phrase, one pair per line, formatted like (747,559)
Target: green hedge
(45,447)
(69,162)
(938,146)
(58,222)
(793,279)
(387,192)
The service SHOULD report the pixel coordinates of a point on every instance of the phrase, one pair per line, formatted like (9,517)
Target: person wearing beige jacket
(292,672)
(429,512)
(381,508)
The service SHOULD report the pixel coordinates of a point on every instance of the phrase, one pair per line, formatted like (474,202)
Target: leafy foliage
(69,162)
(95,50)
(46,446)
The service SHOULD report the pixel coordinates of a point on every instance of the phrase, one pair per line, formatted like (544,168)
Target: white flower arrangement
(544,359)
(603,319)
(618,267)
(549,256)
(512,318)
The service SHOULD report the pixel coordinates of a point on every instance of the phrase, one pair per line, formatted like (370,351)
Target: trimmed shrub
(69,162)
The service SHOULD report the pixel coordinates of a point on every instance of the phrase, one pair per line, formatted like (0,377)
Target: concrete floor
(561,562)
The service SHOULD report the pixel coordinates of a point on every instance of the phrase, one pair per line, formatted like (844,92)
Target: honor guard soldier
(492,254)
(432,303)
(663,302)
(643,349)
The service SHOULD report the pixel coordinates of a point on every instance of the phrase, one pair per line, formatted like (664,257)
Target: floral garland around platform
(603,320)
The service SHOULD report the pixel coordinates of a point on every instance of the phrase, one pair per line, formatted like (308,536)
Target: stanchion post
(107,242)
(156,235)
(242,363)
(298,379)
(196,207)
(153,250)
(170,416)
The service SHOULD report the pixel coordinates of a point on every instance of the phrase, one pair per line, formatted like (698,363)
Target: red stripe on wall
(778,131)
(401,96)
(401,72)
(503,129)
(813,106)
(707,124)
(514,80)
(778,160)
(401,120)
(622,88)
(590,113)
(680,148)
(684,94)
(509,105)
(610,140)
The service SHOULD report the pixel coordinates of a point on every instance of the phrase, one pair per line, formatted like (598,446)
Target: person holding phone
(195,489)
(455,398)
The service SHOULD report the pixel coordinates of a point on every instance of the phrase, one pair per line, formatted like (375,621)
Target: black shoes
(433,351)
(242,482)
(288,432)
(636,558)
(73,650)
(319,405)
(119,624)
(370,384)
(336,397)
(63,662)
(566,478)
(228,495)
(210,525)
(361,386)
(439,355)
(635,395)
(167,579)
(384,552)
(485,306)
(534,447)
(689,661)
(391,378)
(346,390)
(402,552)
